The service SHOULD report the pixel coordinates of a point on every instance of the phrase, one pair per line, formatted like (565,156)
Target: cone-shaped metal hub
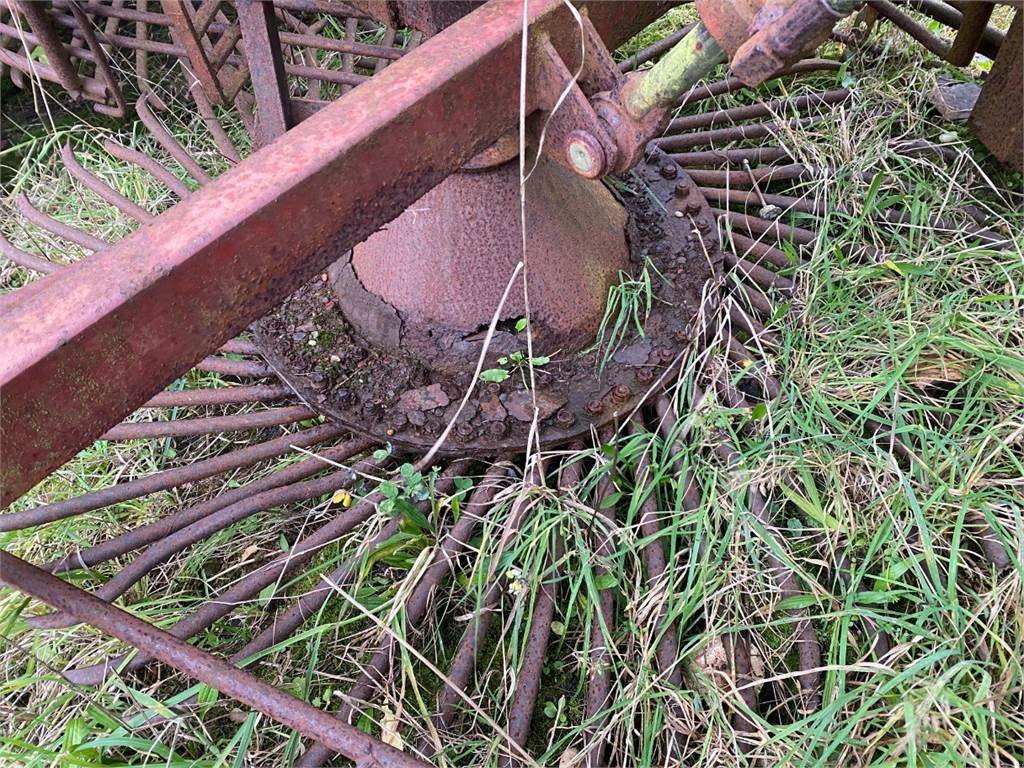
(430,282)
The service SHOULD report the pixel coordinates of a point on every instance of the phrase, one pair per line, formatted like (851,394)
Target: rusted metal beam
(266,69)
(233,250)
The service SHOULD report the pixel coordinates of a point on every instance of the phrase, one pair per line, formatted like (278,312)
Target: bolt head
(594,407)
(565,417)
(585,154)
(668,171)
(621,392)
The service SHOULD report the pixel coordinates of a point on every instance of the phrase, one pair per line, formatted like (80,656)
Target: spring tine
(169,478)
(808,647)
(25,259)
(602,624)
(102,189)
(654,559)
(379,666)
(166,526)
(763,278)
(168,142)
(149,165)
(59,228)
(441,564)
(250,585)
(762,109)
(730,156)
(271,417)
(243,369)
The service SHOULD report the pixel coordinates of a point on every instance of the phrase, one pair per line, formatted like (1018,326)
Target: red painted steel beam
(85,346)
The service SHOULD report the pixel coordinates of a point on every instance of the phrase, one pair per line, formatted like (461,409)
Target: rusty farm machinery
(405,264)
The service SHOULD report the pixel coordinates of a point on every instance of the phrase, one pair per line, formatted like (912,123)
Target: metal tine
(736,647)
(27,260)
(654,559)
(213,125)
(148,430)
(719,136)
(102,189)
(239,368)
(464,661)
(527,679)
(602,625)
(161,481)
(205,667)
(654,50)
(733,84)
(721,157)
(59,228)
(378,670)
(250,585)
(740,355)
(760,109)
(168,142)
(317,754)
(161,551)
(763,278)
(149,165)
(166,526)
(753,327)
(285,624)
(771,174)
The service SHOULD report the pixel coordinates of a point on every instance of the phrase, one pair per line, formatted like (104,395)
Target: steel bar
(716,136)
(57,58)
(762,277)
(755,155)
(243,369)
(654,559)
(271,417)
(171,478)
(749,178)
(120,41)
(654,50)
(220,136)
(103,72)
(441,565)
(317,754)
(184,34)
(218,674)
(527,679)
(973,24)
(166,526)
(774,229)
(149,165)
(102,189)
(464,661)
(59,228)
(761,251)
(733,84)
(748,363)
(122,13)
(991,38)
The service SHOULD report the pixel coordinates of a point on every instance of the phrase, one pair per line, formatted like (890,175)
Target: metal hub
(378,369)
(430,282)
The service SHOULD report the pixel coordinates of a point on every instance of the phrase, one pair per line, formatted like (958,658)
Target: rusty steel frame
(240,245)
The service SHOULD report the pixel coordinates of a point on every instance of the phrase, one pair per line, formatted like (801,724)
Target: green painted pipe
(677,72)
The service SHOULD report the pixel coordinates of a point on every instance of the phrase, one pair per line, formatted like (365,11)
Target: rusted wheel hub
(430,282)
(388,339)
